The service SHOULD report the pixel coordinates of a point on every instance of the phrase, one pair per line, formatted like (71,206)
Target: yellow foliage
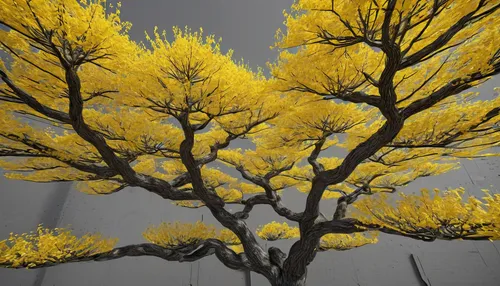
(300,128)
(231,195)
(179,234)
(135,96)
(261,161)
(170,235)
(99,187)
(214,178)
(228,237)
(237,248)
(346,241)
(247,188)
(189,204)
(227,195)
(173,168)
(50,246)
(275,230)
(134,106)
(445,214)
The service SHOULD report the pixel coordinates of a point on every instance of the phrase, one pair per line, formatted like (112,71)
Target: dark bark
(285,281)
(346,200)
(270,198)
(257,257)
(302,252)
(188,253)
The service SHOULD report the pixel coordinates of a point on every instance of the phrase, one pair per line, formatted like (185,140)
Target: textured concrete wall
(23,206)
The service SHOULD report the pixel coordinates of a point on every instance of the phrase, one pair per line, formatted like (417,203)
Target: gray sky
(246,26)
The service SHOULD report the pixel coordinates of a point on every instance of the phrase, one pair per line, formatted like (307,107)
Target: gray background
(248,27)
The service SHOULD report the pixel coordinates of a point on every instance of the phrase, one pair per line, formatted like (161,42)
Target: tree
(388,81)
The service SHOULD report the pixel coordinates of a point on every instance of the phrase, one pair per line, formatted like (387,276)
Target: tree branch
(312,159)
(304,250)
(346,200)
(258,258)
(273,199)
(263,199)
(33,103)
(187,253)
(75,118)
(351,225)
(444,38)
(452,88)
(349,96)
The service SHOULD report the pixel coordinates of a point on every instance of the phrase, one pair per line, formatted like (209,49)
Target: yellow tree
(386,80)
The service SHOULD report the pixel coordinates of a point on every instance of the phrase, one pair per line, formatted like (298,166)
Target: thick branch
(256,255)
(351,225)
(262,199)
(364,150)
(33,103)
(312,159)
(383,136)
(304,250)
(187,253)
(346,200)
(452,88)
(102,172)
(272,198)
(75,118)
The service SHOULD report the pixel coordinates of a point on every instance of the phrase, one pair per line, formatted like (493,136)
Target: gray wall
(247,27)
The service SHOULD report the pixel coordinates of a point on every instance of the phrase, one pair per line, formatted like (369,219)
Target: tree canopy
(390,82)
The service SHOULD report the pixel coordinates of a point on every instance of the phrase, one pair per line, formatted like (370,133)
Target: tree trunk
(287,281)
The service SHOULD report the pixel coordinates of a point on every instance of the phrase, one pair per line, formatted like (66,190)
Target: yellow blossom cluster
(50,246)
(178,234)
(275,230)
(346,241)
(181,234)
(447,214)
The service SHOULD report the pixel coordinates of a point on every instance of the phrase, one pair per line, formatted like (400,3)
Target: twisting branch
(304,250)
(271,197)
(346,200)
(312,159)
(121,165)
(351,225)
(395,120)
(258,258)
(188,253)
(75,119)
(40,150)
(33,103)
(366,149)
(263,199)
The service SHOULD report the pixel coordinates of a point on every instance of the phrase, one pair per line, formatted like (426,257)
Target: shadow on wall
(24,205)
